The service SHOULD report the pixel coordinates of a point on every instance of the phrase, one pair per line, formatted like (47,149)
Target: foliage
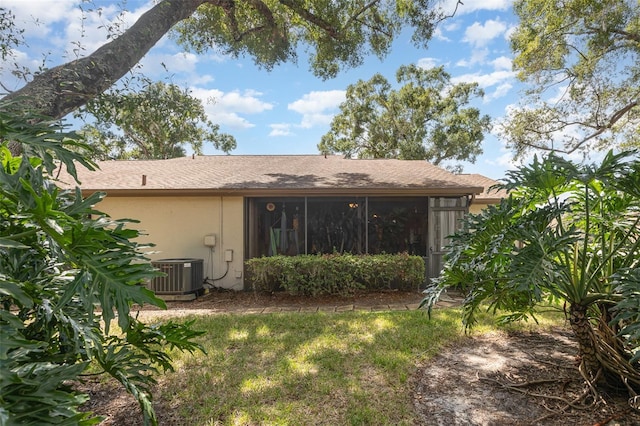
(335,274)
(627,311)
(335,35)
(428,118)
(67,272)
(154,123)
(567,233)
(581,61)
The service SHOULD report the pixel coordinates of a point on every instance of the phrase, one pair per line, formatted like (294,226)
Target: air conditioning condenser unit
(183,279)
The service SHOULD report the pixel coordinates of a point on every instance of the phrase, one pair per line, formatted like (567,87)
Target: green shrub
(67,274)
(335,274)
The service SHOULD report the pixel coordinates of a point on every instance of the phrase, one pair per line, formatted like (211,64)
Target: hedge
(335,274)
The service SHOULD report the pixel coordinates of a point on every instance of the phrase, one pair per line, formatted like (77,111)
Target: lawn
(301,369)
(351,368)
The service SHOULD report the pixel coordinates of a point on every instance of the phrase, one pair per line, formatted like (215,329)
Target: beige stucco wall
(177,226)
(475,208)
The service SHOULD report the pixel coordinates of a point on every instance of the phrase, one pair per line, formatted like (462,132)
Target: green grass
(299,369)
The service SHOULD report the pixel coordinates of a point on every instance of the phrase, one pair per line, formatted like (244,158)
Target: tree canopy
(428,118)
(154,123)
(581,61)
(335,34)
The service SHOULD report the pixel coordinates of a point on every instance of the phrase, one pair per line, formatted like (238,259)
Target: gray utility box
(183,276)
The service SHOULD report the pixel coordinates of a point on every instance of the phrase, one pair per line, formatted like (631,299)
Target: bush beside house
(335,274)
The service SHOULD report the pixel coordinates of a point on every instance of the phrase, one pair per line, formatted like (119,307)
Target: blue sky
(287,110)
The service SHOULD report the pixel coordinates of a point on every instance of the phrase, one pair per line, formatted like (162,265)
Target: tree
(337,35)
(568,234)
(155,123)
(428,118)
(581,59)
(67,271)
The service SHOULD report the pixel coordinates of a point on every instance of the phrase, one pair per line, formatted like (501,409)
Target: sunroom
(353,224)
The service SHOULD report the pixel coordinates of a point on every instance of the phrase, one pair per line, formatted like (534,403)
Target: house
(225,209)
(490,195)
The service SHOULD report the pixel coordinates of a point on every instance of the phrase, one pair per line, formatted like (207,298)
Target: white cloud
(280,129)
(225,108)
(478,56)
(445,27)
(317,108)
(501,91)
(479,35)
(317,101)
(36,17)
(71,26)
(315,120)
(438,34)
(21,60)
(246,102)
(504,156)
(91,28)
(183,63)
(507,161)
(502,63)
(452,26)
(427,63)
(485,80)
(469,6)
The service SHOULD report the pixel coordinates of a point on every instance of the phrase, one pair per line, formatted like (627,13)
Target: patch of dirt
(501,379)
(229,300)
(475,382)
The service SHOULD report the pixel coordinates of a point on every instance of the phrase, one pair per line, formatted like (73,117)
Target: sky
(285,110)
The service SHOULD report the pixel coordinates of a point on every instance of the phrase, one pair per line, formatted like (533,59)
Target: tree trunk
(586,339)
(60,90)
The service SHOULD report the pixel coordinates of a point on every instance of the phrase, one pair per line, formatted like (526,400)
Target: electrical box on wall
(210,240)
(228,255)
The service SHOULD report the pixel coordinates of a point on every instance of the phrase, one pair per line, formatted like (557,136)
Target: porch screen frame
(437,239)
(457,205)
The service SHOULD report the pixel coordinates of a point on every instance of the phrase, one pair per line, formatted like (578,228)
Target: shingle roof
(488,195)
(284,173)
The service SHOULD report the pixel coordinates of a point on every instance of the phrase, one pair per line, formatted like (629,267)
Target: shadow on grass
(350,368)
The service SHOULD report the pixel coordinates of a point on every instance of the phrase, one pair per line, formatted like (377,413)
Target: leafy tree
(336,35)
(67,271)
(567,234)
(581,59)
(155,123)
(428,118)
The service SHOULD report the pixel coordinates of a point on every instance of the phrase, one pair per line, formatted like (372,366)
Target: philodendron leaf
(8,243)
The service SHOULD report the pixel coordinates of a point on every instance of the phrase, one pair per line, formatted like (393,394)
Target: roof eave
(259,192)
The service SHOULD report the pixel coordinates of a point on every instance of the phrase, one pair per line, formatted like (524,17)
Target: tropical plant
(567,234)
(67,272)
